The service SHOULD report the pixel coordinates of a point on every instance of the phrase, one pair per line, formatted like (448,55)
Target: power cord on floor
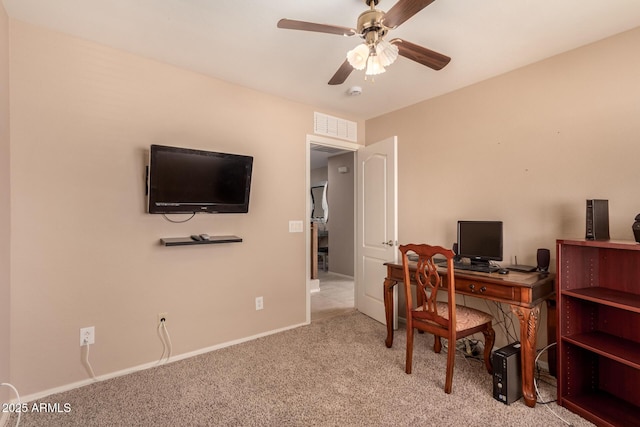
(535,383)
(19,404)
(163,334)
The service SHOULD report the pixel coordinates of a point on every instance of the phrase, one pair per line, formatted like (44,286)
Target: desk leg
(528,335)
(388,309)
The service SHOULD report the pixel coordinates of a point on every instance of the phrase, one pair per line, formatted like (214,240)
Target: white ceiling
(238,41)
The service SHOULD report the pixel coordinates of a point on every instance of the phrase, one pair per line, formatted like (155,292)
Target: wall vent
(335,127)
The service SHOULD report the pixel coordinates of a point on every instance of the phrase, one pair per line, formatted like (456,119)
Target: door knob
(389,243)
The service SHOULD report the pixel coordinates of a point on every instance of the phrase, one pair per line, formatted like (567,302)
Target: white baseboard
(78,384)
(314,285)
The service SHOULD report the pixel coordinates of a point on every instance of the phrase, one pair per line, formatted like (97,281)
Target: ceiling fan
(375,53)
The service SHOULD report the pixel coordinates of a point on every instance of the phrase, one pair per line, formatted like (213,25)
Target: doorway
(332,161)
(336,296)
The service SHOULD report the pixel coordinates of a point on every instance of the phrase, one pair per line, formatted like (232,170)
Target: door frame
(329,142)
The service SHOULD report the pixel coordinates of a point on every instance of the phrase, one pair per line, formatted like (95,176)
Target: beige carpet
(334,372)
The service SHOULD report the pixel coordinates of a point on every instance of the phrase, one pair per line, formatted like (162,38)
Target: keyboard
(476,267)
(482,268)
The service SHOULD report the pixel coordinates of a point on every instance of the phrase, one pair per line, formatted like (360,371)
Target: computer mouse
(503,271)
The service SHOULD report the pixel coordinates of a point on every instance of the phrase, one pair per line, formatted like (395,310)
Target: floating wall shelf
(183,241)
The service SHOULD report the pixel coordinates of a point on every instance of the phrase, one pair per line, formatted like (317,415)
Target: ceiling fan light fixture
(357,56)
(386,52)
(374,66)
(372,27)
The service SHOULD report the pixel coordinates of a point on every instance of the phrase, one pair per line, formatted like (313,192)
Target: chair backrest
(428,282)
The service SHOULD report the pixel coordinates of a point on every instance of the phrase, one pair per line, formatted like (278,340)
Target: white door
(377,226)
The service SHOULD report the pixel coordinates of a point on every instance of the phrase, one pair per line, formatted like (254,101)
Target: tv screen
(480,240)
(183,180)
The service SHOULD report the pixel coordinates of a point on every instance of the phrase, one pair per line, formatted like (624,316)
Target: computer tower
(507,374)
(597,220)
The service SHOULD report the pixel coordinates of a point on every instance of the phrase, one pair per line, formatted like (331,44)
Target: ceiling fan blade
(421,55)
(290,24)
(341,75)
(403,10)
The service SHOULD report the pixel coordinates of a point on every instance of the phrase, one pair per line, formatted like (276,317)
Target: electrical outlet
(163,316)
(87,335)
(259,303)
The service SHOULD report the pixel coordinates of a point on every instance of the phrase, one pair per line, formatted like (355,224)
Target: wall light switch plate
(296,226)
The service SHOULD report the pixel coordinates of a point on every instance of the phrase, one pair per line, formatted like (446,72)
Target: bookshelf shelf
(598,290)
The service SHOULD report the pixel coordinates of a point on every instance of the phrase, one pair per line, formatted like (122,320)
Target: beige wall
(341,217)
(318,175)
(528,148)
(5,209)
(85,253)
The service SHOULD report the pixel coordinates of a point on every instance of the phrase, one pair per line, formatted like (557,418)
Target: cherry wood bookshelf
(598,302)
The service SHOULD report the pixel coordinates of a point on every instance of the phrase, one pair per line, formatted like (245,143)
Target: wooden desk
(524,292)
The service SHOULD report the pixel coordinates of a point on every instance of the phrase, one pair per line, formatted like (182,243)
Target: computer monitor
(481,241)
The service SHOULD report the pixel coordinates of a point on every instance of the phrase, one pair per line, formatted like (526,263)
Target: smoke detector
(354,91)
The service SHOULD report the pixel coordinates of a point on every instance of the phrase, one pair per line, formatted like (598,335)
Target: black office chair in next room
(323,254)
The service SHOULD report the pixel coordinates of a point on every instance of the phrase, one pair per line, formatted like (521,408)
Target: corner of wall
(5,208)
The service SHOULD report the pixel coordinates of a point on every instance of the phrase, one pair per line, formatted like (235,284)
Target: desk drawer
(485,290)
(397,274)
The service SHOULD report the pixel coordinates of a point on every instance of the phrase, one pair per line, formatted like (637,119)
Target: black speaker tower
(597,220)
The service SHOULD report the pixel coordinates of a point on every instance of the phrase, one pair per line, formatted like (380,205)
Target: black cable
(178,222)
(508,326)
(503,321)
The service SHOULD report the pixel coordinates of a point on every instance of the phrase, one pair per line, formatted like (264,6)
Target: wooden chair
(442,319)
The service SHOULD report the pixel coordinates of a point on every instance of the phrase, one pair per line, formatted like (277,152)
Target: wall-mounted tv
(183,180)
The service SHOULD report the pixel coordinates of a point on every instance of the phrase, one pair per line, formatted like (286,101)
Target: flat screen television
(481,241)
(183,180)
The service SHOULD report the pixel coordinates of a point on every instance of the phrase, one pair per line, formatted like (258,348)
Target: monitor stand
(476,265)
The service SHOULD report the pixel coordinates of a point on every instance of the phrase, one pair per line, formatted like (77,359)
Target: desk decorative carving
(524,292)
